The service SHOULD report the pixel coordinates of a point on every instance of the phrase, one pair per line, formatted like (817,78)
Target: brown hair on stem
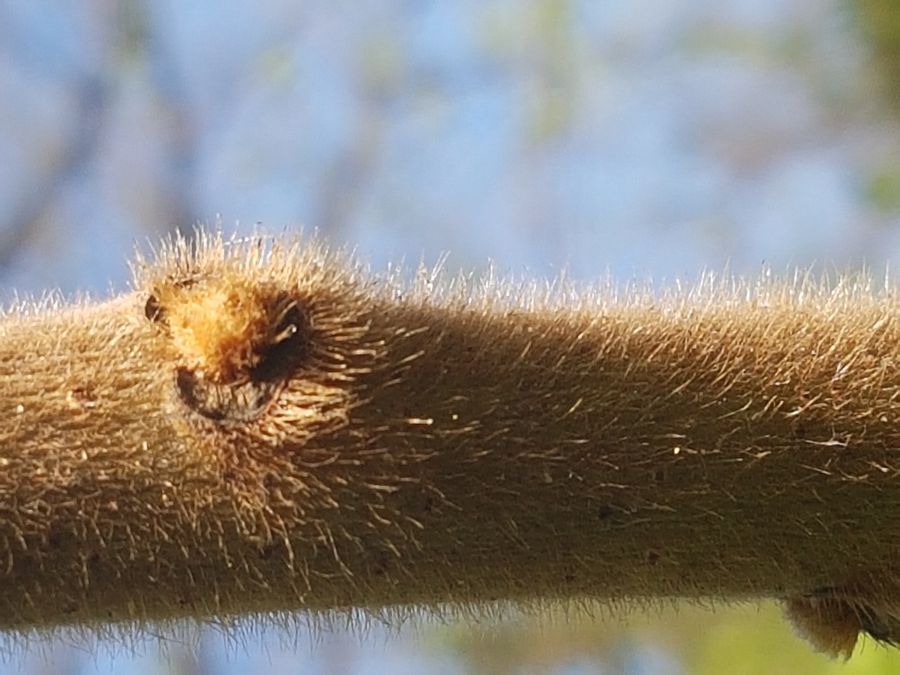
(265,426)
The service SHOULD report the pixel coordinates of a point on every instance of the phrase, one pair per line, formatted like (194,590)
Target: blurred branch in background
(91,96)
(347,176)
(90,99)
(145,24)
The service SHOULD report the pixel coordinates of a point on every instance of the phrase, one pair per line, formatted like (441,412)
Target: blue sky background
(644,138)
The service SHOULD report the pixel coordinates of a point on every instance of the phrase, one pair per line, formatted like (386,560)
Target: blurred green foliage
(883,189)
(748,641)
(739,640)
(879,21)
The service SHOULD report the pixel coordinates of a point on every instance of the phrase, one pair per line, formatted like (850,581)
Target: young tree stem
(262,431)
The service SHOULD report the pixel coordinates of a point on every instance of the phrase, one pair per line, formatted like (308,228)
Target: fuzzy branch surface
(266,426)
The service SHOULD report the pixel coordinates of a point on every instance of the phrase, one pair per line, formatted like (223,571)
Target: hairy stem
(260,428)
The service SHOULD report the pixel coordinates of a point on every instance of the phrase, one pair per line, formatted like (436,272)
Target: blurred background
(644,138)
